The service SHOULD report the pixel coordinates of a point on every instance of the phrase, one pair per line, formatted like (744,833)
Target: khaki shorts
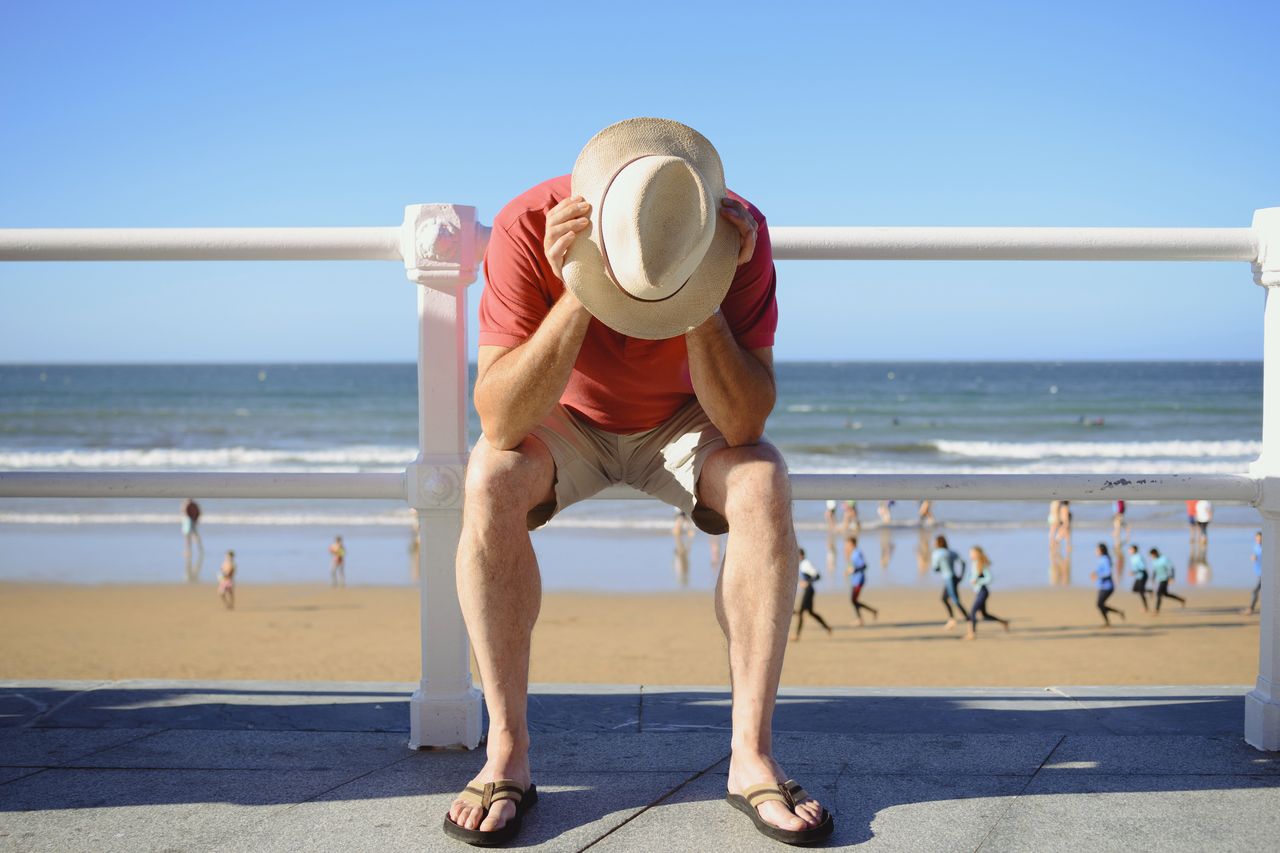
(664,462)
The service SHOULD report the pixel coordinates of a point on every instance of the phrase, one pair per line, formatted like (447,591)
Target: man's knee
(509,480)
(756,480)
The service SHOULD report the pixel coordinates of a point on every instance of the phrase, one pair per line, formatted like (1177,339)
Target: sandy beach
(306,632)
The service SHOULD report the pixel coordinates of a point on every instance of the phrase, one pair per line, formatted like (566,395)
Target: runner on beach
(857,574)
(1257,571)
(227,581)
(1106,585)
(1139,569)
(948,563)
(981,582)
(808,577)
(1162,573)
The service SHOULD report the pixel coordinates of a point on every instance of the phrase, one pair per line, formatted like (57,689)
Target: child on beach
(808,577)
(857,574)
(981,582)
(948,563)
(1162,572)
(1139,569)
(1106,585)
(227,581)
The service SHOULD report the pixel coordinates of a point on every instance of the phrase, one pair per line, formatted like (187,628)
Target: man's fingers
(570,208)
(736,212)
(557,250)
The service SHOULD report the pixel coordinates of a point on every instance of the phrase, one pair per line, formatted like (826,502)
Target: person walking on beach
(191,537)
(951,567)
(1162,573)
(1106,585)
(850,520)
(857,574)
(1191,523)
(1139,570)
(227,581)
(1257,571)
(981,583)
(682,532)
(884,510)
(808,577)
(924,514)
(338,563)
(629,341)
(1204,515)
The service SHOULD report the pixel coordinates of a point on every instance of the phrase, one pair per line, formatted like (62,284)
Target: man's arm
(517,388)
(735,386)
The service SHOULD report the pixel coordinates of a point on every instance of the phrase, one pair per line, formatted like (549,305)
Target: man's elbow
(744,434)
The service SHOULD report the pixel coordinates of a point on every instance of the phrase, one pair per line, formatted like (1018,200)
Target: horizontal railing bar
(187,484)
(789,243)
(1013,244)
(200,244)
(968,487)
(1230,488)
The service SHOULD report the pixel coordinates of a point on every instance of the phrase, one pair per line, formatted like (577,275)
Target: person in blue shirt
(1106,585)
(981,581)
(948,563)
(1162,573)
(857,573)
(1139,569)
(1257,571)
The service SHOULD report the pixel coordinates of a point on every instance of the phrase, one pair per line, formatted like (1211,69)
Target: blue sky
(243,114)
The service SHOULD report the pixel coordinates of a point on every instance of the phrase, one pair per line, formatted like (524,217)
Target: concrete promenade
(179,765)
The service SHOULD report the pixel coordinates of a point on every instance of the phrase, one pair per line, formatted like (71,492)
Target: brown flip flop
(789,793)
(484,798)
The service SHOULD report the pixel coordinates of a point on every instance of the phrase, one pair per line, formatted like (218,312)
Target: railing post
(1262,705)
(441,245)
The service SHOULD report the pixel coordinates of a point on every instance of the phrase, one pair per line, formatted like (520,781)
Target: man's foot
(1121,612)
(970,635)
(829,631)
(1005,623)
(860,623)
(951,623)
(748,770)
(514,766)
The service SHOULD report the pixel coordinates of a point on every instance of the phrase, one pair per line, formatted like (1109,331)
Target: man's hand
(564,221)
(738,215)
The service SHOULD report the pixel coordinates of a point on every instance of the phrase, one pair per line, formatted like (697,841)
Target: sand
(294,632)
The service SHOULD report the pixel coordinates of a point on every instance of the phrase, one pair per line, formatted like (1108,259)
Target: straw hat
(657,258)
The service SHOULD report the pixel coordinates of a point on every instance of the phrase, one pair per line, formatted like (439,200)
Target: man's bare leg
(500,591)
(754,597)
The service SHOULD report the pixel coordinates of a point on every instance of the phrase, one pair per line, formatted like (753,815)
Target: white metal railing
(441,246)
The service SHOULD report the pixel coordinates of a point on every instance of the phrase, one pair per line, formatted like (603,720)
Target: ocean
(910,417)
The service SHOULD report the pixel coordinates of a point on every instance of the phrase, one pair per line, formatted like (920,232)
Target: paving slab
(132,810)
(1162,755)
(876,710)
(23,702)
(236,705)
(626,753)
(1004,754)
(248,750)
(1204,710)
(403,807)
(1166,814)
(52,747)
(579,707)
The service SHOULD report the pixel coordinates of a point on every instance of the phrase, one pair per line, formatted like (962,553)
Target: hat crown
(656,224)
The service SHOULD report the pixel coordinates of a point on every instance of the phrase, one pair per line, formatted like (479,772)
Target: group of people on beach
(227,571)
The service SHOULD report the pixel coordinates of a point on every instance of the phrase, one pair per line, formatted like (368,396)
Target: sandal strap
(798,794)
(769,792)
(492,792)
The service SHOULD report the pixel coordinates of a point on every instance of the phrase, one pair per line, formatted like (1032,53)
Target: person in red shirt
(626,333)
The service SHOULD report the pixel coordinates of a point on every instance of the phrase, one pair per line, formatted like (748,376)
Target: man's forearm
(735,388)
(516,392)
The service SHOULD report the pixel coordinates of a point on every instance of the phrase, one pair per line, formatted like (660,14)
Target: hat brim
(584,267)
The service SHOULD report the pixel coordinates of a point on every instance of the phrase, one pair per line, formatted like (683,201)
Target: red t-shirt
(619,384)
